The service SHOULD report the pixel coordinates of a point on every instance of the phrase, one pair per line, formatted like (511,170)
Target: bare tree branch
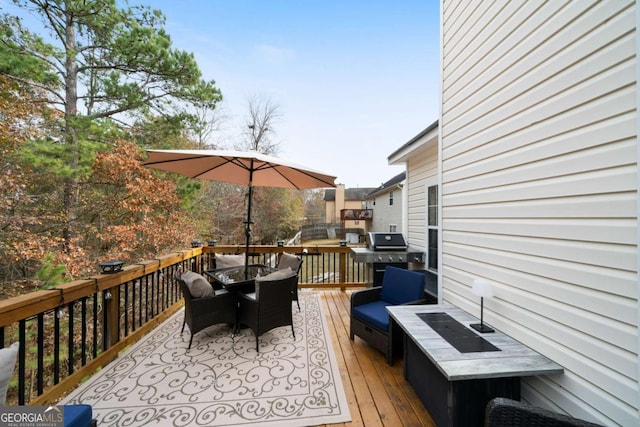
(263,116)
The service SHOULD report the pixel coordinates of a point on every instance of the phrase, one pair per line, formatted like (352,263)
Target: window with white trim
(432,228)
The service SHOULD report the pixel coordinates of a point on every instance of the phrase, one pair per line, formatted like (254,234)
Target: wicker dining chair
(200,313)
(293,262)
(268,307)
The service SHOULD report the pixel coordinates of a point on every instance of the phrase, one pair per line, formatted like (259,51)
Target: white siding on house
(384,213)
(421,169)
(539,189)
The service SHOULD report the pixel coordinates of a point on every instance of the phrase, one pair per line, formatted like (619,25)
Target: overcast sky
(354,79)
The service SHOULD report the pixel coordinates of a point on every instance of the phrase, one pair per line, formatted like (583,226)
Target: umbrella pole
(247,231)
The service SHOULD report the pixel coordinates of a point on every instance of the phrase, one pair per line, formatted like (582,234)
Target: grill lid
(386,241)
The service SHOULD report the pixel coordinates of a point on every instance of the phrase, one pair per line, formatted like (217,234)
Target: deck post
(111,321)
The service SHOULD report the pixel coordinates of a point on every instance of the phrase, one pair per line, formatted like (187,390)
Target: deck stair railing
(69,332)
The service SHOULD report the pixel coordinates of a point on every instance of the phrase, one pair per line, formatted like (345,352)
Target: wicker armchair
(369,317)
(293,262)
(269,307)
(200,313)
(503,412)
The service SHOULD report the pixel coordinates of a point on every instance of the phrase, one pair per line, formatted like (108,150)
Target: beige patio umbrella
(249,168)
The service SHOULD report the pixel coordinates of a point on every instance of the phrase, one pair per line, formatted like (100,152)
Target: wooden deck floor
(378,394)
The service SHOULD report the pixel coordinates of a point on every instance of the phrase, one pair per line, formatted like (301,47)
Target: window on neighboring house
(393,228)
(432,227)
(390,198)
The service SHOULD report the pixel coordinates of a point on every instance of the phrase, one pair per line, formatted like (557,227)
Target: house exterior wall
(422,170)
(354,204)
(384,213)
(539,182)
(340,202)
(420,157)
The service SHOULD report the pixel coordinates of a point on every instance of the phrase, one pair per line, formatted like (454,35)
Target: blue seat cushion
(400,286)
(373,313)
(77,415)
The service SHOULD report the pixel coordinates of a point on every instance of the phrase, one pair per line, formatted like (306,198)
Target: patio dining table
(235,280)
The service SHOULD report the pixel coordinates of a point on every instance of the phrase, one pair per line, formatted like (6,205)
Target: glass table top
(231,275)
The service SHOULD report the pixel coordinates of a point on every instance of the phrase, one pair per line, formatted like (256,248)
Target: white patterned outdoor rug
(221,381)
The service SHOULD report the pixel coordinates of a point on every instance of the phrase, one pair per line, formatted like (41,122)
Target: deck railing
(69,332)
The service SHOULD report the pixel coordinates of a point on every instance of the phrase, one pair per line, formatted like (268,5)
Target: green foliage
(123,62)
(117,64)
(314,206)
(83,189)
(54,159)
(26,67)
(277,213)
(51,274)
(188,190)
(163,132)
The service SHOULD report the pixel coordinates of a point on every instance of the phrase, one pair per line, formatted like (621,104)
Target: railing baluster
(22,362)
(70,342)
(56,348)
(83,331)
(146,305)
(164,287)
(95,325)
(138,304)
(165,291)
(40,345)
(126,309)
(153,306)
(136,284)
(153,300)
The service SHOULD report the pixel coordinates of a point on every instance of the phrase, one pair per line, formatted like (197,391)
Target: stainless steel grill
(385,249)
(386,241)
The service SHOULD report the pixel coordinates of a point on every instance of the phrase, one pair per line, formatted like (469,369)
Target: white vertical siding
(422,167)
(539,188)
(385,214)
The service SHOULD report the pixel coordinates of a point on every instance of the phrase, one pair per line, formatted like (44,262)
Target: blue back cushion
(400,286)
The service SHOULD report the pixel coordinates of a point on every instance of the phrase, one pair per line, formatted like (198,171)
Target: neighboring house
(339,201)
(386,203)
(536,160)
